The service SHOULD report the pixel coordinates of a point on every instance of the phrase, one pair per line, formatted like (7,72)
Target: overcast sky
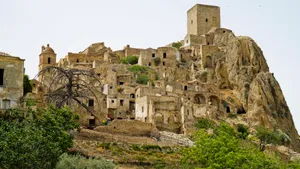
(72,25)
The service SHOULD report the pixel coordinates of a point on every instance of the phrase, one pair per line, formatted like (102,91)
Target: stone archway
(158,118)
(214,101)
(199,99)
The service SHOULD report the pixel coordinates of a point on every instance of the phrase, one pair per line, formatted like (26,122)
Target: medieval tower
(47,58)
(201,18)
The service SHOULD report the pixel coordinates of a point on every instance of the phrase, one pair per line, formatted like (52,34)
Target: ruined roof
(47,49)
(4,54)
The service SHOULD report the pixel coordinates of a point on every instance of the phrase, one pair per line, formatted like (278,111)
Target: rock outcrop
(244,69)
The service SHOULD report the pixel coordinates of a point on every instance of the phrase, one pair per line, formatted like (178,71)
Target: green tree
(26,85)
(224,149)
(35,139)
(266,137)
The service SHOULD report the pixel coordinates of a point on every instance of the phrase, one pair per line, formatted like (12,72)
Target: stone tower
(201,18)
(47,58)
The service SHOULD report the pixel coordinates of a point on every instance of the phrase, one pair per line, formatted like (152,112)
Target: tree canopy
(35,139)
(225,149)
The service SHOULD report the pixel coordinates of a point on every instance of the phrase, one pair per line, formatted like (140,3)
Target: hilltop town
(211,73)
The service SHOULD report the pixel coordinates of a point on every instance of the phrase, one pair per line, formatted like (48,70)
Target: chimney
(48,45)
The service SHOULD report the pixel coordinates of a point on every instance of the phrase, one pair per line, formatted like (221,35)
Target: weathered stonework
(11,80)
(215,74)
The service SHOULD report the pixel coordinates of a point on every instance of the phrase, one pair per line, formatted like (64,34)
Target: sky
(73,25)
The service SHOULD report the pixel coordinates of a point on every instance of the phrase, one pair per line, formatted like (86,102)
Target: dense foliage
(270,137)
(79,162)
(177,45)
(35,139)
(130,60)
(204,123)
(143,74)
(225,149)
(26,85)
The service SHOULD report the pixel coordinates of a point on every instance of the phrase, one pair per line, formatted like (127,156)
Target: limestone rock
(267,106)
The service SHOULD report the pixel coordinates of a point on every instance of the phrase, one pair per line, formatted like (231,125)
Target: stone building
(11,80)
(214,74)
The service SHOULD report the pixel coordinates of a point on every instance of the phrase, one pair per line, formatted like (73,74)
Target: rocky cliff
(244,70)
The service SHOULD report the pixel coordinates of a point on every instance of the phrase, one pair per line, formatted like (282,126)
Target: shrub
(204,124)
(138,69)
(176,45)
(79,162)
(130,60)
(267,137)
(156,61)
(135,147)
(242,131)
(142,79)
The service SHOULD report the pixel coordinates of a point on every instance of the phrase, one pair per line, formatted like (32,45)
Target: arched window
(200,99)
(49,60)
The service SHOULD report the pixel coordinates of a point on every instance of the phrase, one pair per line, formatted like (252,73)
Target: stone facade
(215,74)
(11,80)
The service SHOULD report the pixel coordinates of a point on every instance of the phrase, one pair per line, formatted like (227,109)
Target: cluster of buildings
(181,83)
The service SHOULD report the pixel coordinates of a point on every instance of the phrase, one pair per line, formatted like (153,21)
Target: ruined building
(11,80)
(214,74)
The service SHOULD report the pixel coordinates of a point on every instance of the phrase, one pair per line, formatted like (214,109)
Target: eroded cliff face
(245,70)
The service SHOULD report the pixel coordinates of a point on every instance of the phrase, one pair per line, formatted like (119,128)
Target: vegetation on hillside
(225,148)
(177,45)
(132,60)
(79,162)
(35,139)
(143,74)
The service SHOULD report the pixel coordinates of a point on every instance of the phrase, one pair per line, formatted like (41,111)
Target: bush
(142,79)
(204,124)
(176,45)
(79,162)
(138,69)
(267,137)
(130,60)
(242,131)
(225,150)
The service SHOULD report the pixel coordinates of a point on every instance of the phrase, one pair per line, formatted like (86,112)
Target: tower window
(153,55)
(1,77)
(206,20)
(49,60)
(165,55)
